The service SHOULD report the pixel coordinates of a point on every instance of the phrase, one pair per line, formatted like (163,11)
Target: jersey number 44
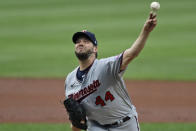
(100,101)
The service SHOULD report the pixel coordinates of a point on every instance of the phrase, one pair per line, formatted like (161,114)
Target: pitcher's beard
(83,56)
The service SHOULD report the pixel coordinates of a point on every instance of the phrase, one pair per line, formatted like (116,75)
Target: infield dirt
(40,100)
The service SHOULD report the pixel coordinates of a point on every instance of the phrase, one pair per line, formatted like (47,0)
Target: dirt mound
(39,100)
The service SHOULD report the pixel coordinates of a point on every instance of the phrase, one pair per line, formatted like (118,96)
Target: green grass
(65,127)
(35,36)
(168,127)
(34,127)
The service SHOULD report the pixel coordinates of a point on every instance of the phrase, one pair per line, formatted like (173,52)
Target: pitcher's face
(84,48)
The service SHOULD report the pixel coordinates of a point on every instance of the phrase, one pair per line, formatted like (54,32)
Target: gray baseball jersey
(102,92)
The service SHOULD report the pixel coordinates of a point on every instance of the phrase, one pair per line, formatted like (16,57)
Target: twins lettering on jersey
(83,93)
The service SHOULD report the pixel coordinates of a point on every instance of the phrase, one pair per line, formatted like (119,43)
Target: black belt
(118,122)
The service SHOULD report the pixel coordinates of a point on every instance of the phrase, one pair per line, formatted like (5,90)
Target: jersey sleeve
(114,63)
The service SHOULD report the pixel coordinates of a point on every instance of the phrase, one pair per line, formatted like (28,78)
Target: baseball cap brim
(78,34)
(86,34)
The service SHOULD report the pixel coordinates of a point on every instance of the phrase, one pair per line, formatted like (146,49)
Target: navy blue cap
(89,35)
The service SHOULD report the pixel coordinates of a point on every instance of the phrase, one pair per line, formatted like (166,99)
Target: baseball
(155,6)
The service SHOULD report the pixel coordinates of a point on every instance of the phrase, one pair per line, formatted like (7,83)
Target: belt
(118,122)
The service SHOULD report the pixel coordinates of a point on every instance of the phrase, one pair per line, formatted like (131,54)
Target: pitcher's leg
(130,125)
(92,126)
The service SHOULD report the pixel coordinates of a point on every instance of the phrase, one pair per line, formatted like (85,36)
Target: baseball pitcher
(96,95)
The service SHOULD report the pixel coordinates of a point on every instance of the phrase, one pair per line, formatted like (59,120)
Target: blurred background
(35,36)
(36,40)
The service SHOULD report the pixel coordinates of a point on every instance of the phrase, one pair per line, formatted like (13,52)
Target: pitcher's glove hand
(77,114)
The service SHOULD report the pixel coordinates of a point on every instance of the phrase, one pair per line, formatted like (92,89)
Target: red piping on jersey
(121,61)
